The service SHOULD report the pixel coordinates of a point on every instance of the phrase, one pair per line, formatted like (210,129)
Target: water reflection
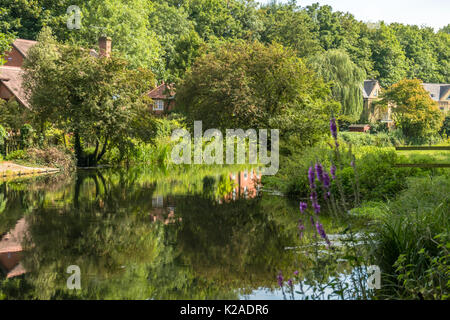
(139,234)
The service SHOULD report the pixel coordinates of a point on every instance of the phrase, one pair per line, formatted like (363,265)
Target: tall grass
(413,240)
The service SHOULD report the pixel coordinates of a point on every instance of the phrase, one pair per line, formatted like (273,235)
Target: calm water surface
(143,234)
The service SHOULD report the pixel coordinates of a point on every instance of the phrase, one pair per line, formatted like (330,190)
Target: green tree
(224,19)
(336,66)
(6,38)
(286,24)
(414,112)
(418,45)
(12,115)
(249,85)
(96,99)
(388,56)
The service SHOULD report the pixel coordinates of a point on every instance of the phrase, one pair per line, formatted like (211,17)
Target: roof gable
(163,91)
(11,78)
(438,91)
(368,88)
(23,46)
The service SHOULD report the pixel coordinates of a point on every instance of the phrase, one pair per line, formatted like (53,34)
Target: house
(439,93)
(163,97)
(11,76)
(11,71)
(371,93)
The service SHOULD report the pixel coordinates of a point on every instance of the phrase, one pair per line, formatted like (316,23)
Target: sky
(432,13)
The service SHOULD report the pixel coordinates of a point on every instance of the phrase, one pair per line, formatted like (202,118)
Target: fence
(423,165)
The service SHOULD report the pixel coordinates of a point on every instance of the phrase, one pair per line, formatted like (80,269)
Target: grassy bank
(413,240)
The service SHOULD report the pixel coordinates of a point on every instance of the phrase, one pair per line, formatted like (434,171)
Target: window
(159,105)
(245,175)
(375,94)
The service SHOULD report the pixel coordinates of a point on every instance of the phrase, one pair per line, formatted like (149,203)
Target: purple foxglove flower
(280,279)
(313,197)
(319,172)
(303,207)
(316,207)
(321,232)
(296,273)
(352,163)
(333,171)
(326,180)
(311,177)
(301,228)
(333,128)
(290,283)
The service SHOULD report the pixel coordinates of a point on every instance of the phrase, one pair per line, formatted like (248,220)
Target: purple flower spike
(316,207)
(319,172)
(296,273)
(290,283)
(333,171)
(352,163)
(321,232)
(301,228)
(311,177)
(313,197)
(326,180)
(303,207)
(280,279)
(333,128)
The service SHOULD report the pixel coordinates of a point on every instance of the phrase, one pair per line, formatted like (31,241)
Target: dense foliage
(99,100)
(415,113)
(386,52)
(249,85)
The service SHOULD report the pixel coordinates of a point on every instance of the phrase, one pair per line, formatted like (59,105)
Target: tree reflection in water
(139,235)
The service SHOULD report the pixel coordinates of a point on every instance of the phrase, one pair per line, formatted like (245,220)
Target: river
(142,233)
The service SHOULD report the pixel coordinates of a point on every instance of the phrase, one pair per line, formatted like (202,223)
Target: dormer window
(159,105)
(375,93)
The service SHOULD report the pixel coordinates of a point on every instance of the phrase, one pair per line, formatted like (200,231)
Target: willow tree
(347,78)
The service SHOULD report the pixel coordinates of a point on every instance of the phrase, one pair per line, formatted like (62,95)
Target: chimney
(104,43)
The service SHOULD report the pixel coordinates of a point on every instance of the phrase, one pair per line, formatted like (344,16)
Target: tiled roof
(163,91)
(437,90)
(368,87)
(11,78)
(23,45)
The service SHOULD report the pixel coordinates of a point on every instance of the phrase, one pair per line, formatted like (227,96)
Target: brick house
(11,71)
(163,97)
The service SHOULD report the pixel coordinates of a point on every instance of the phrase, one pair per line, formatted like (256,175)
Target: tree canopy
(413,110)
(250,85)
(96,99)
(165,36)
(346,78)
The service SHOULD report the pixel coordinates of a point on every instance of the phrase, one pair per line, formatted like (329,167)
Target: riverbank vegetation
(236,64)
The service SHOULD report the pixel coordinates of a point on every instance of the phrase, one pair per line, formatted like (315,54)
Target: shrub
(52,157)
(16,155)
(445,127)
